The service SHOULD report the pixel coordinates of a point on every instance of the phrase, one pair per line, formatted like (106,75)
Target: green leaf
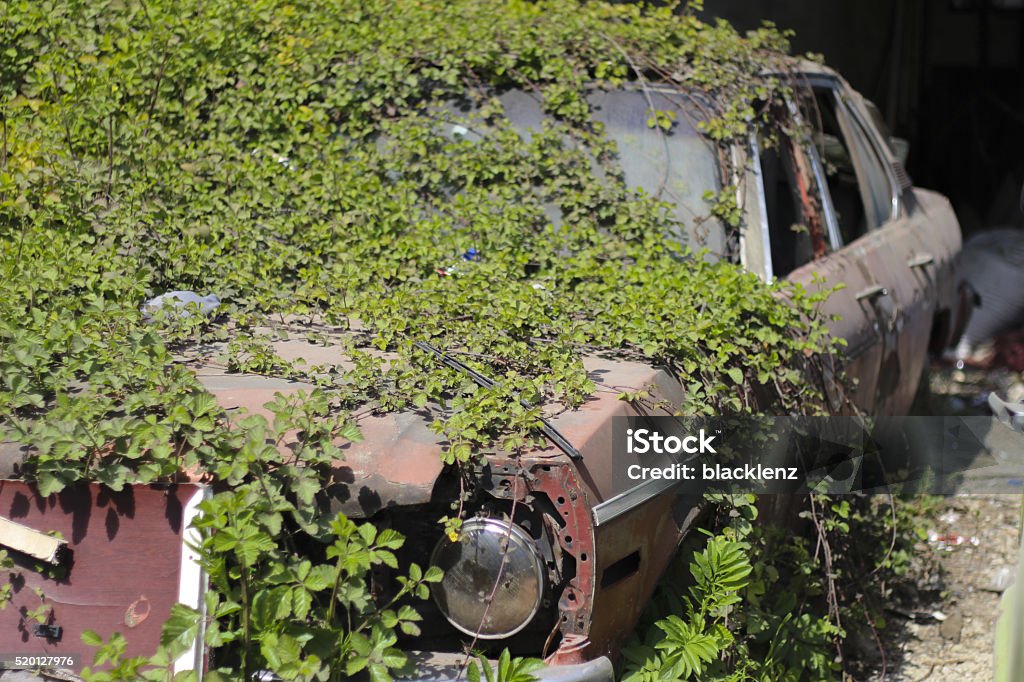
(49,484)
(320,577)
(301,602)
(180,629)
(92,638)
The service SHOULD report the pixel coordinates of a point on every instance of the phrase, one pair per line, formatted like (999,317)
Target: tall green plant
(690,643)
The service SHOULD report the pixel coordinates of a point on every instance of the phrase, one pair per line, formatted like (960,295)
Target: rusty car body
(593,553)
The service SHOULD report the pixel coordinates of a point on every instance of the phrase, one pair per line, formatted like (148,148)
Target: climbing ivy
(289,157)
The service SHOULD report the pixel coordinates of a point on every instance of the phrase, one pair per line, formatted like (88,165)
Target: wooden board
(127,566)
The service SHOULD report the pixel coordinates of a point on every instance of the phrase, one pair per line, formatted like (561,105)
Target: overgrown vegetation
(778,600)
(289,157)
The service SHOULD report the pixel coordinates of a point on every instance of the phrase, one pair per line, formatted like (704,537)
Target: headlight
(473,565)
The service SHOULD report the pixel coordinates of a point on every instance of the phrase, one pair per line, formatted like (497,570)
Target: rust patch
(559,482)
(808,201)
(137,612)
(574,649)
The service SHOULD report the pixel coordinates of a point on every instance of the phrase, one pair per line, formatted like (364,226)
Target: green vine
(291,157)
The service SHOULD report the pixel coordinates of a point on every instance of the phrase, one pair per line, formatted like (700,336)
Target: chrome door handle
(871,292)
(922,261)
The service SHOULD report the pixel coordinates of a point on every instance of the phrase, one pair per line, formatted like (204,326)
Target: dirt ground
(944,630)
(948,633)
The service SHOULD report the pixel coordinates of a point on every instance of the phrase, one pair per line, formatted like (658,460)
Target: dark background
(948,75)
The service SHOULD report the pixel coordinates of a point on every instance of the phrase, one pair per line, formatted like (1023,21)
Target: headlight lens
(473,565)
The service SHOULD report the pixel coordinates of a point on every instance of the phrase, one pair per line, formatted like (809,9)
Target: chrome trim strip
(826,198)
(192,582)
(762,207)
(623,502)
(618,505)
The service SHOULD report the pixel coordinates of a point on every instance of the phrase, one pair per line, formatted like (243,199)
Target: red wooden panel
(124,570)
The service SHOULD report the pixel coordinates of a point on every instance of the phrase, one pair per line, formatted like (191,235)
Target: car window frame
(809,150)
(818,168)
(881,150)
(850,116)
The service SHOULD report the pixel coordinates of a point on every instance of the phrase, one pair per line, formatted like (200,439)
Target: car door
(800,240)
(888,244)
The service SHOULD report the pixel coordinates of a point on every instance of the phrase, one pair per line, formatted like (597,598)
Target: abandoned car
(580,558)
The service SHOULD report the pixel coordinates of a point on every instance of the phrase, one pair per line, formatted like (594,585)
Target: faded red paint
(124,568)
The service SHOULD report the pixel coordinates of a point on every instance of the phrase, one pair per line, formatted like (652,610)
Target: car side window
(792,201)
(857,180)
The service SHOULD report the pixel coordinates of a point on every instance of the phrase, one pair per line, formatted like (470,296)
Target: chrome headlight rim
(515,534)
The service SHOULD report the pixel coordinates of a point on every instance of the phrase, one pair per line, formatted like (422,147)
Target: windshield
(678,166)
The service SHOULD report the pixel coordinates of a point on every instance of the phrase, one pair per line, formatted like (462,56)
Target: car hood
(399,460)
